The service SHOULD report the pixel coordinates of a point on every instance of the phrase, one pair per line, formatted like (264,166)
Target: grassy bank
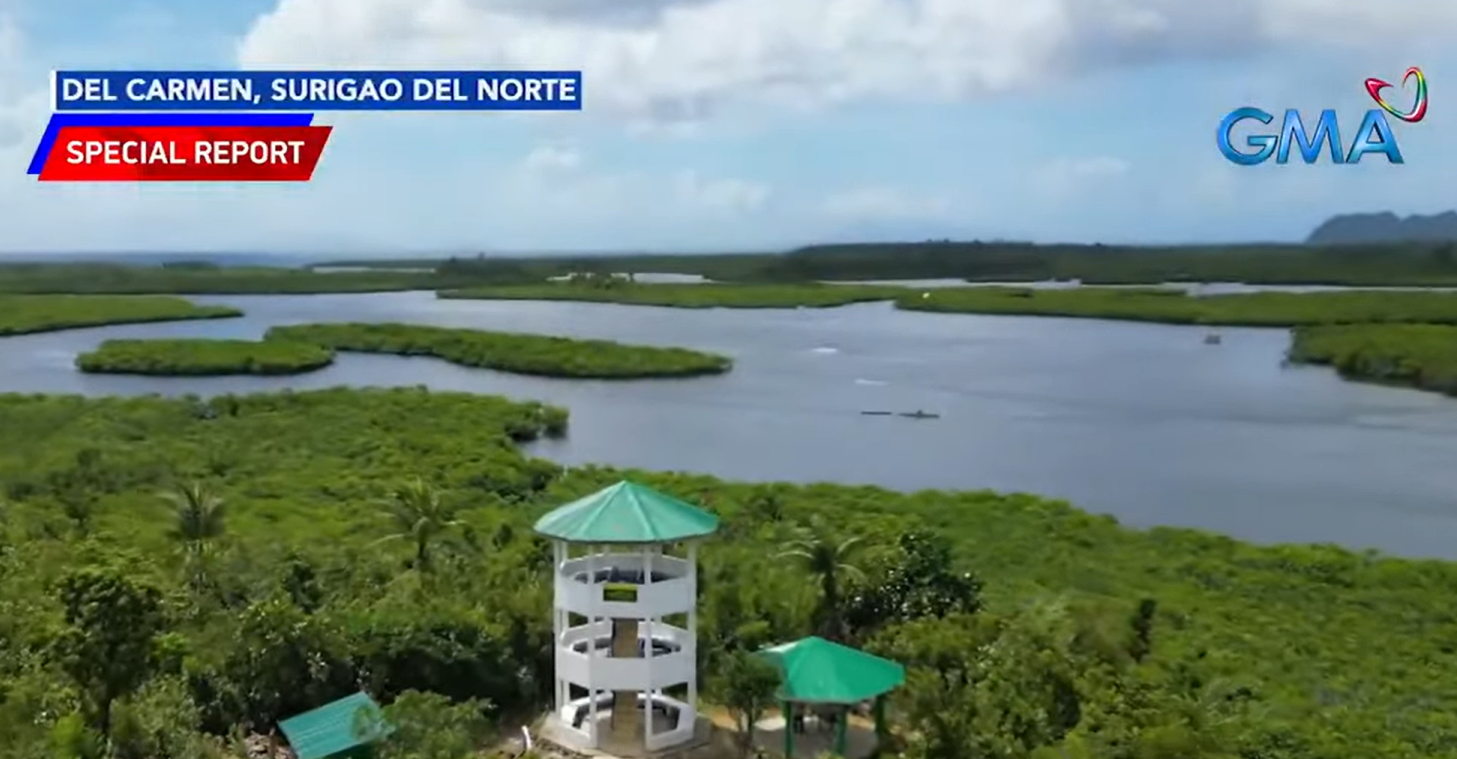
(1076,637)
(1269,309)
(539,355)
(201,279)
(687,296)
(1354,265)
(200,357)
(1135,304)
(1423,356)
(22,314)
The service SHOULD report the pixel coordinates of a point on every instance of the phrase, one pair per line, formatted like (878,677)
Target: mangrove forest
(22,314)
(176,574)
(204,357)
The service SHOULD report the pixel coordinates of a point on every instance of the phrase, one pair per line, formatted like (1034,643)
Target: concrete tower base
(708,742)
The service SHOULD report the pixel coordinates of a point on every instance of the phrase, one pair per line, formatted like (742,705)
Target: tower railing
(598,667)
(616,587)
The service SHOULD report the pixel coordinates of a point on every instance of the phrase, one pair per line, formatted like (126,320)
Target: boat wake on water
(917,414)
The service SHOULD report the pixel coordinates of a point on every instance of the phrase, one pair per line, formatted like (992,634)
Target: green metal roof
(816,670)
(627,513)
(334,728)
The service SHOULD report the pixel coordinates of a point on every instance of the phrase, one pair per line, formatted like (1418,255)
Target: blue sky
(756,124)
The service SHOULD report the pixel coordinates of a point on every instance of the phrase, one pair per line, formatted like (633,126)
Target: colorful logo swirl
(1419,108)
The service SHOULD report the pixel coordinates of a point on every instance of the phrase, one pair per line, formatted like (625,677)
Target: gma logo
(1375,135)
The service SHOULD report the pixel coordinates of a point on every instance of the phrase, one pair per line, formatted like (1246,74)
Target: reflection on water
(1139,420)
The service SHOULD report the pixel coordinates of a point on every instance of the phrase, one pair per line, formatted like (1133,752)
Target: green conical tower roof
(627,513)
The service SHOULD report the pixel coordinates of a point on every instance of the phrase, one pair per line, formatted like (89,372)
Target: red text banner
(185,154)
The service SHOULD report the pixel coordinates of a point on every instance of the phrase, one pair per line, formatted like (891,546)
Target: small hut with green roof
(626,572)
(346,728)
(816,672)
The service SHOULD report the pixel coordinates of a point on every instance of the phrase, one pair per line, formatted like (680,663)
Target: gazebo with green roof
(816,671)
(343,728)
(614,568)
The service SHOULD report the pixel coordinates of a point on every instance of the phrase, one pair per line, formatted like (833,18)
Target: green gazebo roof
(816,670)
(627,513)
(335,728)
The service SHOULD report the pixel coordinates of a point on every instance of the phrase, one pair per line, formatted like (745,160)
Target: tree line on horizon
(1385,264)
(1373,264)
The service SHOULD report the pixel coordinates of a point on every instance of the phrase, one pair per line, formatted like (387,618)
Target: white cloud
(679,60)
(554,177)
(549,157)
(1069,175)
(885,204)
(20,105)
(1084,168)
(731,195)
(23,112)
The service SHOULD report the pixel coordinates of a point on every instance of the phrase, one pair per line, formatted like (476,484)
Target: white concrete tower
(625,619)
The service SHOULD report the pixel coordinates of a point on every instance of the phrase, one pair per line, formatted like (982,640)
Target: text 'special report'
(250,126)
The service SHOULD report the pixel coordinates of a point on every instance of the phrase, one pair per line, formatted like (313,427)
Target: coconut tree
(420,517)
(198,516)
(831,560)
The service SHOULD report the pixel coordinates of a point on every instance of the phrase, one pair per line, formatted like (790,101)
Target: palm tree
(830,560)
(198,518)
(419,516)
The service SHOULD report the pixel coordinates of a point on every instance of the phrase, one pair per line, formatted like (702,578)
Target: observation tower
(625,620)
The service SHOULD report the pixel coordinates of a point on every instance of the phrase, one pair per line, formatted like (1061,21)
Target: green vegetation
(1167,305)
(687,296)
(22,314)
(509,352)
(304,348)
(1268,309)
(196,357)
(1031,630)
(199,279)
(1387,264)
(1418,355)
(1355,265)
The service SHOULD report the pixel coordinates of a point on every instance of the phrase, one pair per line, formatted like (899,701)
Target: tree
(746,685)
(1142,628)
(921,581)
(429,726)
(421,517)
(106,648)
(979,686)
(831,561)
(161,721)
(78,486)
(283,661)
(199,521)
(77,504)
(767,505)
(939,697)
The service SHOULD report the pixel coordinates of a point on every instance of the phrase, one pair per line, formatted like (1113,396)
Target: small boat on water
(1213,338)
(917,414)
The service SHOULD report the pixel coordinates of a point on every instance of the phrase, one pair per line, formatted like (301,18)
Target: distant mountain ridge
(1385,227)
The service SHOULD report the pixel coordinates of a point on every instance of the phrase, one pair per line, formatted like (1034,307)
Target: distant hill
(1359,228)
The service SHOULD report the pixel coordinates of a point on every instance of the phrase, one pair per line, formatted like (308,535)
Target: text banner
(185,154)
(116,91)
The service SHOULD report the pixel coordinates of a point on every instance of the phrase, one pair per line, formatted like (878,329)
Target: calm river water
(1141,421)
